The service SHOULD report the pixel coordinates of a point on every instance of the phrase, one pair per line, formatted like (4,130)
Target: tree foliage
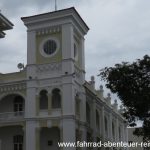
(131,83)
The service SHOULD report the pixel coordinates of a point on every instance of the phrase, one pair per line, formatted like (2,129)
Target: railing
(54,112)
(11,116)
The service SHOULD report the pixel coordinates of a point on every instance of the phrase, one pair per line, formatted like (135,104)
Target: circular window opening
(50,47)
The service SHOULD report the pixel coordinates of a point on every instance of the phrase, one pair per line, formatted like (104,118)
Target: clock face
(49,47)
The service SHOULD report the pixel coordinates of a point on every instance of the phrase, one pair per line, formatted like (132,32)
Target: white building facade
(49,101)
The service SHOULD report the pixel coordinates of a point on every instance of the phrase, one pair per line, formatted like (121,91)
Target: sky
(119,31)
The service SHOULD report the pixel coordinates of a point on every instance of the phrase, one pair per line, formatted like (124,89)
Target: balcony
(11,116)
(54,113)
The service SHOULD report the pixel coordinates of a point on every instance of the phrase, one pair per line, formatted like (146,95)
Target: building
(49,100)
(5,24)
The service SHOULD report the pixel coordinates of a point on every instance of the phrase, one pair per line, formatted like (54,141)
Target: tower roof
(55,15)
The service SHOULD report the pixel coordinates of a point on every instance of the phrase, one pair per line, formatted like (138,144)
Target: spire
(108,99)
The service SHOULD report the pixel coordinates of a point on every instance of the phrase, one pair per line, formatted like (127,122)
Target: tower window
(56,98)
(50,47)
(43,100)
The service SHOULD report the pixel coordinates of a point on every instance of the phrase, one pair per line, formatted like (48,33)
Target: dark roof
(2,17)
(71,8)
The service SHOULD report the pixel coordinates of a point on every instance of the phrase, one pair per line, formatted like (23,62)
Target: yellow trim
(43,60)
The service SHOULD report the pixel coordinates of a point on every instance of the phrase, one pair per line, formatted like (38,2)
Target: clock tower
(55,60)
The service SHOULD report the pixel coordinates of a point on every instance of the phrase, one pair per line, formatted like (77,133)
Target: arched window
(18,142)
(88,113)
(56,99)
(97,120)
(43,100)
(18,105)
(106,126)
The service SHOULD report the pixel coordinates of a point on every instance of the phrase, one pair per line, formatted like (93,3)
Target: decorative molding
(12,87)
(49,67)
(50,82)
(51,30)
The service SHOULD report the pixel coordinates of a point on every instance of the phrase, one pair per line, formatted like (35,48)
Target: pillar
(30,135)
(117,130)
(83,136)
(38,129)
(37,104)
(93,119)
(49,103)
(69,132)
(103,126)
(110,129)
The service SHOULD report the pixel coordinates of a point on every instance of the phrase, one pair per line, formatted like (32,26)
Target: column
(30,102)
(38,130)
(37,104)
(49,103)
(82,55)
(117,130)
(103,126)
(67,41)
(68,97)
(84,136)
(31,47)
(83,107)
(69,132)
(30,135)
(93,120)
(110,129)
(110,125)
(83,116)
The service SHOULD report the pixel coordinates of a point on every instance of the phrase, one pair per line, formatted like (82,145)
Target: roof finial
(55,5)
